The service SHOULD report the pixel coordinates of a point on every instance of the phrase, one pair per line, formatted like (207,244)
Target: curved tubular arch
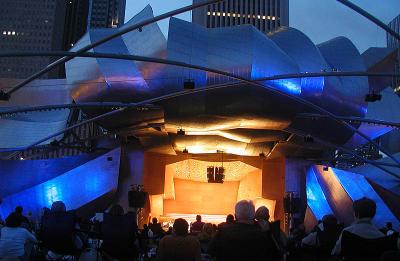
(252,82)
(328,144)
(164,97)
(370,17)
(356,119)
(108,38)
(191,66)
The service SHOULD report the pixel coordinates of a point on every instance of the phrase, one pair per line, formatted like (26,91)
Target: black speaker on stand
(291,206)
(137,200)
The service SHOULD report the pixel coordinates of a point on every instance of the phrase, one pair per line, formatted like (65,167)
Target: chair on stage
(119,236)
(355,248)
(58,235)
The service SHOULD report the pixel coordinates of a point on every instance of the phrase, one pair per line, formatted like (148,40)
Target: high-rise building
(31,25)
(394,43)
(395,25)
(266,15)
(107,13)
(49,25)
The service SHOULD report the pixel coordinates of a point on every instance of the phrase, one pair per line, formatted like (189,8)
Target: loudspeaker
(291,205)
(137,199)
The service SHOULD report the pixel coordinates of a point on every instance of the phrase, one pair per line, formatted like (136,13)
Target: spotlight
(373,97)
(262,155)
(180,132)
(21,158)
(308,139)
(188,85)
(325,168)
(185,150)
(140,29)
(4,96)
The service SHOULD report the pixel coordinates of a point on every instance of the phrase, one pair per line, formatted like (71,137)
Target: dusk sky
(321,20)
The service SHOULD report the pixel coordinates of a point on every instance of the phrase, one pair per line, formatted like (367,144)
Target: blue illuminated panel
(357,187)
(316,199)
(75,188)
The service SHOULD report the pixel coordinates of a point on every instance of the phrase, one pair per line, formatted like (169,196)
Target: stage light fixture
(373,97)
(185,150)
(188,85)
(325,168)
(140,29)
(4,96)
(308,139)
(262,155)
(180,132)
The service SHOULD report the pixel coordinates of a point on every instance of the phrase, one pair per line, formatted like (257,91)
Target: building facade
(31,25)
(107,13)
(395,25)
(266,15)
(394,43)
(49,25)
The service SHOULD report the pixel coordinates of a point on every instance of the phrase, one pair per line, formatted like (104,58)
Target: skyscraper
(31,25)
(107,13)
(394,43)
(266,15)
(395,25)
(49,25)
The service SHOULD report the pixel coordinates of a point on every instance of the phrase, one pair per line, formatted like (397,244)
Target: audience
(180,245)
(205,236)
(262,217)
(119,234)
(247,236)
(364,212)
(197,226)
(389,229)
(321,241)
(14,238)
(156,228)
(230,219)
(243,240)
(25,223)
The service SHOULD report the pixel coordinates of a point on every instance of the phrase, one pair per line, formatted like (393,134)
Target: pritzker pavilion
(204,119)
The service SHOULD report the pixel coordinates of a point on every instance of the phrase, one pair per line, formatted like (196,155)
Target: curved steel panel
(342,55)
(308,57)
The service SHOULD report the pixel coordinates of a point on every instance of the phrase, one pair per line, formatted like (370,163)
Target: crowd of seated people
(248,235)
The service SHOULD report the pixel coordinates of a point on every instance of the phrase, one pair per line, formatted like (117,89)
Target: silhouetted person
(119,234)
(14,238)
(25,223)
(262,217)
(364,212)
(389,229)
(180,246)
(205,236)
(323,239)
(230,219)
(197,226)
(156,228)
(243,240)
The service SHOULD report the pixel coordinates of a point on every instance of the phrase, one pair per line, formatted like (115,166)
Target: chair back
(58,232)
(356,248)
(119,235)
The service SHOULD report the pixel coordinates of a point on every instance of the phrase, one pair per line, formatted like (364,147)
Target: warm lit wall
(250,185)
(202,197)
(273,184)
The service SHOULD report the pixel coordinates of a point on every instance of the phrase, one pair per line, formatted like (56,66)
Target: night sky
(321,20)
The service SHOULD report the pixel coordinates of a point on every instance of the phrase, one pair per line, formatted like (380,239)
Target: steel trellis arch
(254,83)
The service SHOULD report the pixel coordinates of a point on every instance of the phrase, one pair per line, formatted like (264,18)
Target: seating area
(248,235)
